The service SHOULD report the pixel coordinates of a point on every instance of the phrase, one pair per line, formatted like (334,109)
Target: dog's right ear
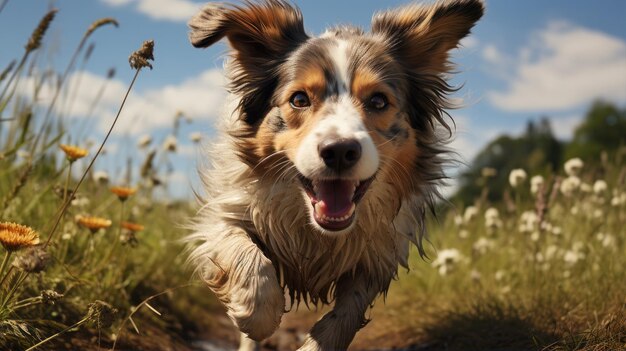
(262,36)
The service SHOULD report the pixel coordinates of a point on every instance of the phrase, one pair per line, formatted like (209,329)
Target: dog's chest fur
(308,262)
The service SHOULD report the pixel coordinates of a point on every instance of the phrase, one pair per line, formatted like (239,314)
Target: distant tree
(537,151)
(603,130)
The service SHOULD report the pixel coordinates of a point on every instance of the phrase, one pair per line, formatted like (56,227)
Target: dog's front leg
(245,281)
(337,328)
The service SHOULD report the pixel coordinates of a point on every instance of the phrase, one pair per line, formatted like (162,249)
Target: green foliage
(601,134)
(602,131)
(537,151)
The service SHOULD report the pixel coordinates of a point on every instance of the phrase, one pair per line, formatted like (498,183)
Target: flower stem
(21,304)
(57,334)
(5,261)
(93,160)
(6,276)
(67,183)
(16,285)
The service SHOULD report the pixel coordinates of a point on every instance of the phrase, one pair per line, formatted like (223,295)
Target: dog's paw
(258,303)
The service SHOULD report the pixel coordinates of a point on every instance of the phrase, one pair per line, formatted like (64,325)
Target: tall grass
(97,249)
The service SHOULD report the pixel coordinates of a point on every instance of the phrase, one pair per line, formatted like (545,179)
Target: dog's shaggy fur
(328,163)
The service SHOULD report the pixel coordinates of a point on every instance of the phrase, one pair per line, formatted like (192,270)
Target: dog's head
(345,111)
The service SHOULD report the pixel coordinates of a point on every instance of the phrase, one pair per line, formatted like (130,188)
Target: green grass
(523,290)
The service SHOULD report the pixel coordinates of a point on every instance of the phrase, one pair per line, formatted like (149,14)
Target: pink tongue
(335,197)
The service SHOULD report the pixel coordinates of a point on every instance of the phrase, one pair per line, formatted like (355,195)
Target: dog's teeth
(334,219)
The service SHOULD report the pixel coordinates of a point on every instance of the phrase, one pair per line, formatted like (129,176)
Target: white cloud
(469,42)
(202,98)
(563,67)
(492,54)
(564,126)
(170,10)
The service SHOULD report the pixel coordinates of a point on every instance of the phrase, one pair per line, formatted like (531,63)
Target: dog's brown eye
(299,100)
(378,101)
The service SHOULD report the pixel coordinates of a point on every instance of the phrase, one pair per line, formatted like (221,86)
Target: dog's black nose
(340,154)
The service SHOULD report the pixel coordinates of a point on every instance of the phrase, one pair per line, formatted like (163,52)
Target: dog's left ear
(422,35)
(420,38)
(261,34)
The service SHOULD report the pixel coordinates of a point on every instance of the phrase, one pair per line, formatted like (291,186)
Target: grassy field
(91,264)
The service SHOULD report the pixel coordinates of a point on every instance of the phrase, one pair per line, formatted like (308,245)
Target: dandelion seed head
(528,222)
(586,187)
(569,185)
(470,213)
(447,260)
(573,166)
(482,245)
(536,183)
(599,187)
(517,177)
(492,218)
(618,199)
(101,177)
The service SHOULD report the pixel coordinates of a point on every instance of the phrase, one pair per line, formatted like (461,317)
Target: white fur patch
(339,55)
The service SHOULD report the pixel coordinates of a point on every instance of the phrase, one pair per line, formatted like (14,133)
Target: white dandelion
(599,187)
(470,213)
(569,185)
(536,183)
(447,260)
(101,177)
(517,177)
(482,245)
(492,218)
(573,166)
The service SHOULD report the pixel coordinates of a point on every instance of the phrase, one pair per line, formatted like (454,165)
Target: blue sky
(524,60)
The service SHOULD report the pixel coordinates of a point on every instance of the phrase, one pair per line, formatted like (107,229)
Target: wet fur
(253,239)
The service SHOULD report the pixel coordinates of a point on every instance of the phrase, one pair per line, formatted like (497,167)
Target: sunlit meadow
(89,262)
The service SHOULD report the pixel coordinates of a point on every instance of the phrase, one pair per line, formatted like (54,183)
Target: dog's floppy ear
(262,35)
(422,35)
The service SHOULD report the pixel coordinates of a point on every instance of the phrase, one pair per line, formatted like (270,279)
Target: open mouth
(334,200)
